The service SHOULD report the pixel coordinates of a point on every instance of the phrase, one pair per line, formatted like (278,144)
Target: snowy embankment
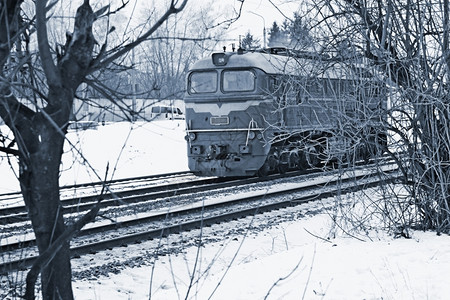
(283,255)
(277,255)
(130,150)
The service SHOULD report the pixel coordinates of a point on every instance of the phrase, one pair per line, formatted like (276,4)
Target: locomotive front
(226,107)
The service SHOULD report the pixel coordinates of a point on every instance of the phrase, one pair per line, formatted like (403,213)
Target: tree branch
(50,70)
(14,112)
(231,20)
(173,9)
(9,151)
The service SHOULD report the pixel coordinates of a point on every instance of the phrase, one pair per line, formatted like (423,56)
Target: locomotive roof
(278,64)
(269,63)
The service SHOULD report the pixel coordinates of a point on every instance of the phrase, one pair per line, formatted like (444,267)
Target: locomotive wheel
(264,170)
(283,168)
(380,144)
(273,161)
(302,163)
(349,157)
(294,160)
(375,145)
(271,164)
(284,163)
(312,157)
(364,154)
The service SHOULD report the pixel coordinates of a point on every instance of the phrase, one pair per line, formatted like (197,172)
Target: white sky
(268,14)
(248,21)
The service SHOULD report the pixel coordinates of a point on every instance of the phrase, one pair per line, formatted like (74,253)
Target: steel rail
(362,183)
(18,213)
(10,215)
(109,182)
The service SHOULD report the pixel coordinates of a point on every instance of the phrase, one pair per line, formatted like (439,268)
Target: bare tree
(154,71)
(167,57)
(408,42)
(40,124)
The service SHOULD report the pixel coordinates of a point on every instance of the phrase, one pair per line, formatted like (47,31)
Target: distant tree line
(292,33)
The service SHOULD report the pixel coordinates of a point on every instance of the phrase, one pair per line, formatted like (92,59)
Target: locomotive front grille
(223,120)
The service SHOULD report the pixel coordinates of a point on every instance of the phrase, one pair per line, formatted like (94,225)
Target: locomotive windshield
(203,82)
(238,81)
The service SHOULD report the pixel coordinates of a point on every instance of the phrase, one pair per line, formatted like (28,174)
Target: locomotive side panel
(249,113)
(332,116)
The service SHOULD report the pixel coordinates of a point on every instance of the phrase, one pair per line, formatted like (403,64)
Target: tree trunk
(39,131)
(39,179)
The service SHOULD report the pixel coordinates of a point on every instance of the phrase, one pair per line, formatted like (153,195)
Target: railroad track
(99,184)
(128,191)
(142,187)
(186,184)
(93,188)
(207,212)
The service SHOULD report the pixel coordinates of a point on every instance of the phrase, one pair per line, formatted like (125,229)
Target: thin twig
(283,278)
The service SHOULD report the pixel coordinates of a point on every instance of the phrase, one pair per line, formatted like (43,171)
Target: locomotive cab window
(238,81)
(203,82)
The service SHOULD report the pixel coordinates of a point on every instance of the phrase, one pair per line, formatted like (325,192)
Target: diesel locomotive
(251,113)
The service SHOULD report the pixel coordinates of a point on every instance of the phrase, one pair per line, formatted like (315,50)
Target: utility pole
(264,28)
(133,88)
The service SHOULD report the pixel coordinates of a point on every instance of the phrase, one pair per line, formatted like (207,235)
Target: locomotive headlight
(251,135)
(190,137)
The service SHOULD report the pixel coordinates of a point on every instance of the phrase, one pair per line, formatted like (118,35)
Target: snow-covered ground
(287,262)
(130,150)
(292,259)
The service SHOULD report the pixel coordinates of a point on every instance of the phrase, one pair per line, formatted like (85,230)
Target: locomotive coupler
(216,152)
